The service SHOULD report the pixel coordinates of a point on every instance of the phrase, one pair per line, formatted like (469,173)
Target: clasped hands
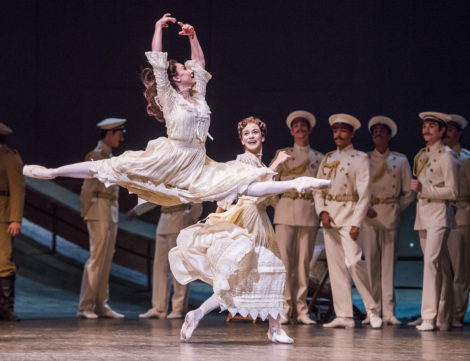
(186,29)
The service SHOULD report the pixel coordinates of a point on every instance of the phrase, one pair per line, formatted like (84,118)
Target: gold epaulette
(417,169)
(380,174)
(332,166)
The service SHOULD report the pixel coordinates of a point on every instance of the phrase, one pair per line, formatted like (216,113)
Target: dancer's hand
(14,228)
(326,220)
(415,185)
(354,233)
(186,30)
(163,22)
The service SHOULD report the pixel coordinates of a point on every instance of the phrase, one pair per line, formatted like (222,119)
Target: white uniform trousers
(459,254)
(436,268)
(94,292)
(379,246)
(344,257)
(162,278)
(296,244)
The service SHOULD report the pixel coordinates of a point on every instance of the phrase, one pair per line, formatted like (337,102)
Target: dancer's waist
(187,143)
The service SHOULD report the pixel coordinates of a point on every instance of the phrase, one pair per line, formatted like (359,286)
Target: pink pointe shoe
(189,325)
(279,336)
(38,171)
(303,184)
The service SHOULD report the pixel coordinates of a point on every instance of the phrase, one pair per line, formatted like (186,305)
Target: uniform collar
(435,147)
(349,148)
(106,150)
(377,154)
(301,149)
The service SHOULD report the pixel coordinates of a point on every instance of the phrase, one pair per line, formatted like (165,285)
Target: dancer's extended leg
(276,333)
(76,170)
(301,184)
(192,318)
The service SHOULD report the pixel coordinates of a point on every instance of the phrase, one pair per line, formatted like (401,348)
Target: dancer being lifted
(176,169)
(236,252)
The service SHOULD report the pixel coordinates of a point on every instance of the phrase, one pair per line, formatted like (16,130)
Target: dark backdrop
(65,65)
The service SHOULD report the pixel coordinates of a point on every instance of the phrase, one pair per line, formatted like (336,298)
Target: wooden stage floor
(72,339)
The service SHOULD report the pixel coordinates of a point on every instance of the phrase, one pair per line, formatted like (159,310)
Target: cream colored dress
(236,252)
(176,169)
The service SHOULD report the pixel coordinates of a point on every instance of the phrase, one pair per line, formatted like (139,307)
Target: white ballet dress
(176,170)
(236,252)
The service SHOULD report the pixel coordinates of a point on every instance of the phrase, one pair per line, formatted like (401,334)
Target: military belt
(429,200)
(341,197)
(5,193)
(104,195)
(177,208)
(385,200)
(296,195)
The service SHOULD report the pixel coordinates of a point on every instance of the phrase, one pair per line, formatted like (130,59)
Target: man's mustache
(426,133)
(339,138)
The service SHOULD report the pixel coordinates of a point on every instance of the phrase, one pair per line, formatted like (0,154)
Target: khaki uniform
(347,202)
(437,170)
(296,229)
(100,210)
(390,195)
(458,244)
(172,220)
(11,204)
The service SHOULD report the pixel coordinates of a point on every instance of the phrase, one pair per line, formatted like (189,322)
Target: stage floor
(132,339)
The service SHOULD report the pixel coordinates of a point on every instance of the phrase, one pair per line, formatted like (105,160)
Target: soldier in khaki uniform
(295,218)
(458,242)
(172,220)
(436,169)
(390,195)
(100,211)
(342,210)
(11,214)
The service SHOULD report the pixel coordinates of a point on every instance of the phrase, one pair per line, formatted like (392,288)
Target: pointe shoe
(89,315)
(189,325)
(279,336)
(375,320)
(340,322)
(303,184)
(392,321)
(426,325)
(107,312)
(152,313)
(37,171)
(305,320)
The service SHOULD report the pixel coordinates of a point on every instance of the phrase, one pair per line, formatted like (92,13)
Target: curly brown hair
(148,79)
(251,119)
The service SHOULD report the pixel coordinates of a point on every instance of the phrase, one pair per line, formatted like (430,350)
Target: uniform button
(393,186)
(431,170)
(429,201)
(394,166)
(394,158)
(345,185)
(430,181)
(349,163)
(434,160)
(394,176)
(347,173)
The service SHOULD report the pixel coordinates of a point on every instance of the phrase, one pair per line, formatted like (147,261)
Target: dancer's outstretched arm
(196,51)
(157,35)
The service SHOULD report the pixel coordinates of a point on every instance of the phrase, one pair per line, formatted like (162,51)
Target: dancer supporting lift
(236,252)
(176,169)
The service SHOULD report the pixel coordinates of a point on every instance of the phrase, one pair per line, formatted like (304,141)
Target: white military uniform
(172,220)
(458,244)
(100,211)
(436,168)
(390,195)
(296,228)
(347,202)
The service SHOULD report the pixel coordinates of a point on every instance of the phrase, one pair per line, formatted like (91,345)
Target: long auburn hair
(148,79)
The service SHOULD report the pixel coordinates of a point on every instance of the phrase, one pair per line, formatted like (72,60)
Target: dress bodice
(185,121)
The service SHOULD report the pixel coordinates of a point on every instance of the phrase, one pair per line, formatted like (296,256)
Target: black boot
(7,298)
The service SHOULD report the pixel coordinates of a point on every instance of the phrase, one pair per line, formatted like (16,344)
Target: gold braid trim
(380,174)
(300,169)
(331,166)
(418,168)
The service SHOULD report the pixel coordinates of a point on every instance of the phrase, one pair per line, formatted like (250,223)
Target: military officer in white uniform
(390,195)
(100,211)
(11,215)
(458,242)
(342,210)
(172,220)
(295,218)
(436,169)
